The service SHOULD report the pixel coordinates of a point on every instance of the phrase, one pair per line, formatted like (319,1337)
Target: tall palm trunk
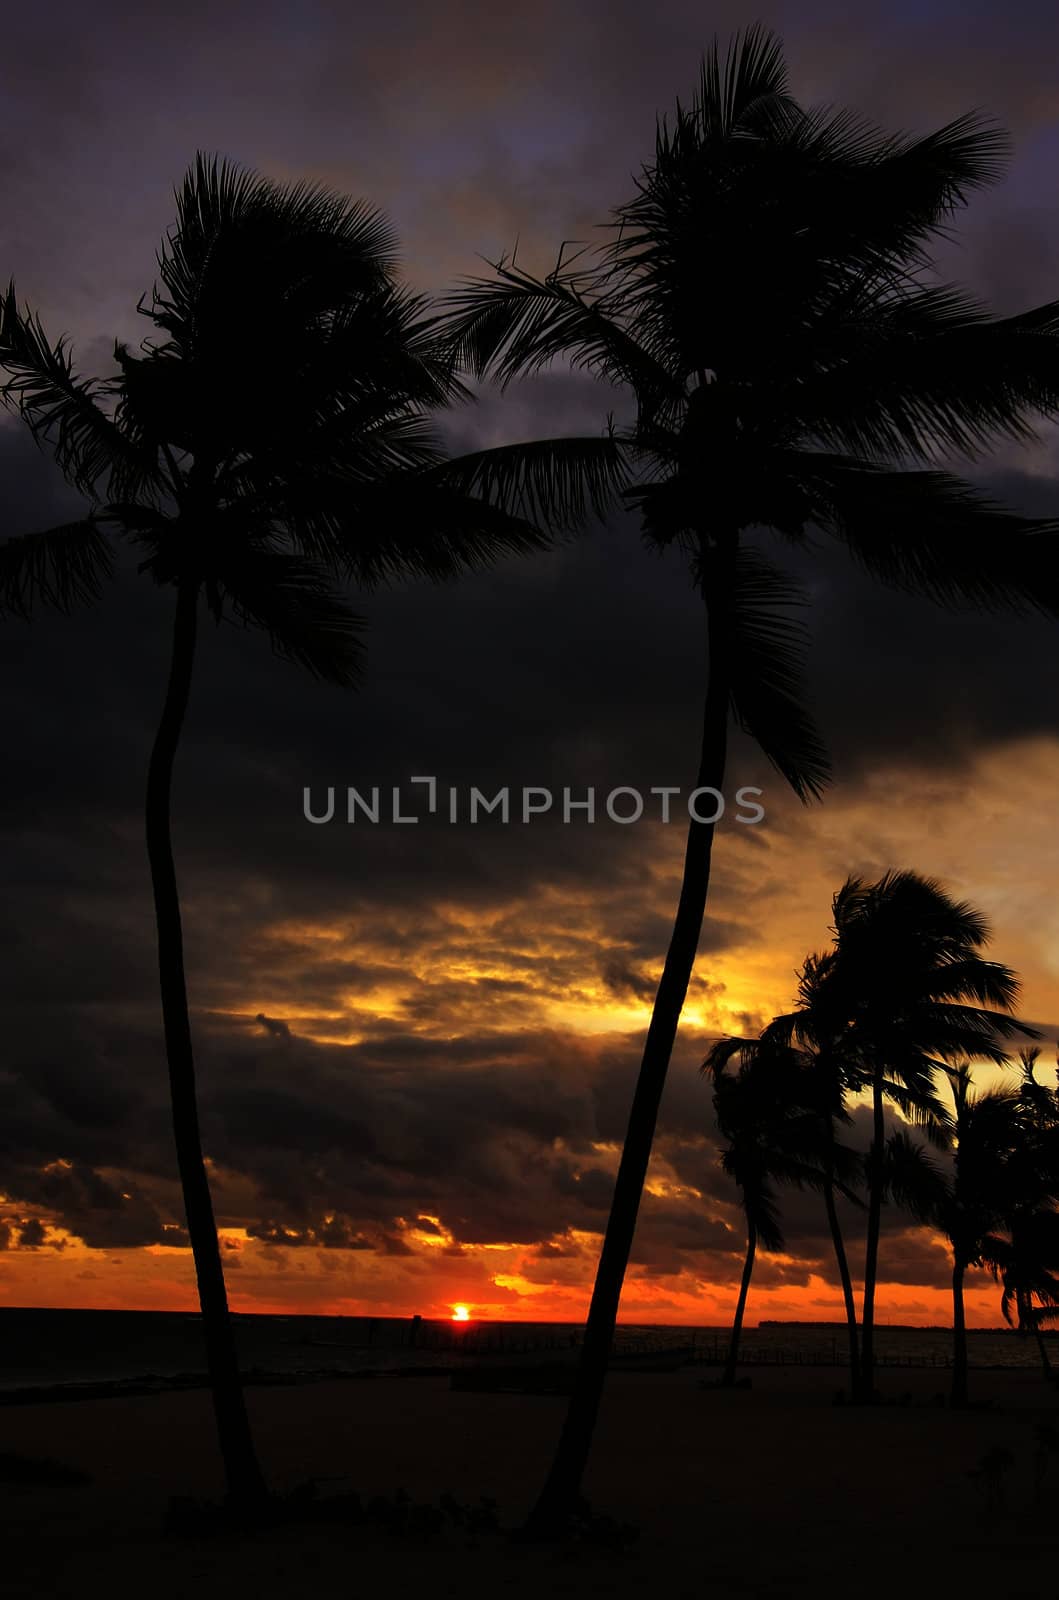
(562,1487)
(959,1334)
(1026,1316)
(732,1358)
(866,1386)
(243,1475)
(1042,1348)
(847,1285)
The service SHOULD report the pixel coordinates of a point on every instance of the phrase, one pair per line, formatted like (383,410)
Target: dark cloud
(506,1141)
(336,1233)
(105,1214)
(32,1234)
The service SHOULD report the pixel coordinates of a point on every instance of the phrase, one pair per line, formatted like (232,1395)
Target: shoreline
(146,1385)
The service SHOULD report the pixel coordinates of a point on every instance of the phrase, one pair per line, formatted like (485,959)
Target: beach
(733,1492)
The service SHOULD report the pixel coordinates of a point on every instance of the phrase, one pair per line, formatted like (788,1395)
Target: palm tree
(834,1073)
(822,1072)
(274,439)
(824,1033)
(1024,1255)
(987,1136)
(1026,1263)
(884,1010)
(917,993)
(763,298)
(768,1117)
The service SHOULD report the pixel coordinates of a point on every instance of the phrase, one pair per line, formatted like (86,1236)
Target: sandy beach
(774,1488)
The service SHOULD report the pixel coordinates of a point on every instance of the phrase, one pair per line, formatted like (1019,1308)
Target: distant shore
(79,1355)
(532,1365)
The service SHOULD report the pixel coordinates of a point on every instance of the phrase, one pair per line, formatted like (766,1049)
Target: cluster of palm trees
(765,302)
(898,1009)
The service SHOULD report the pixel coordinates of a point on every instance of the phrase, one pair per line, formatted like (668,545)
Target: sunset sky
(431,1111)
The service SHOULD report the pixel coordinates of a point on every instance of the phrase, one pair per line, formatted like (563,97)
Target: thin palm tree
(768,1117)
(273,441)
(988,1131)
(834,1074)
(764,299)
(1024,1255)
(1025,1262)
(918,993)
(886,1009)
(824,1031)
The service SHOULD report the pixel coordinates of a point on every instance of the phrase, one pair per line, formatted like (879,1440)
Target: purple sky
(470,123)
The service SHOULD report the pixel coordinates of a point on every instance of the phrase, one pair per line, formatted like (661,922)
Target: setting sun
(460,1314)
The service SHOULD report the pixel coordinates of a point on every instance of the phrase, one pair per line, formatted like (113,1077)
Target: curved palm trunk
(959,1334)
(562,1487)
(243,1475)
(847,1285)
(732,1358)
(866,1376)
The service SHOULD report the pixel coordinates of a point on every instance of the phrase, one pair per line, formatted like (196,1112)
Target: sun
(461,1314)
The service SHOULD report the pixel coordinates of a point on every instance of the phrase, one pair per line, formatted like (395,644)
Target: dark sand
(774,1491)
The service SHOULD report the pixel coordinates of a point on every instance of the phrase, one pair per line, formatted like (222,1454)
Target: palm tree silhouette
(764,298)
(881,1011)
(1026,1263)
(1024,1255)
(830,1066)
(988,1130)
(273,440)
(918,993)
(768,1116)
(822,1071)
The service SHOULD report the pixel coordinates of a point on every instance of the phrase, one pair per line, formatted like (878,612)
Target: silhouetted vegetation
(270,444)
(769,1117)
(762,298)
(901,1003)
(1024,1254)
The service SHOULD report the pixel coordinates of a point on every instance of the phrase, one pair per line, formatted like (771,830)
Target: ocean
(63,1350)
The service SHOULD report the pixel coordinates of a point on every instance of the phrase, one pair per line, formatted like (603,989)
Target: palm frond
(847,1172)
(61,567)
(516,324)
(768,669)
(554,483)
(971,152)
(913,1094)
(731,96)
(913,1181)
(406,525)
(931,371)
(248,255)
(66,412)
(876,199)
(766,1218)
(928,533)
(293,601)
(723,1051)
(736,187)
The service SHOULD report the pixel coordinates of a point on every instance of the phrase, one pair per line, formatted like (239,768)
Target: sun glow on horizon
(461,1314)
